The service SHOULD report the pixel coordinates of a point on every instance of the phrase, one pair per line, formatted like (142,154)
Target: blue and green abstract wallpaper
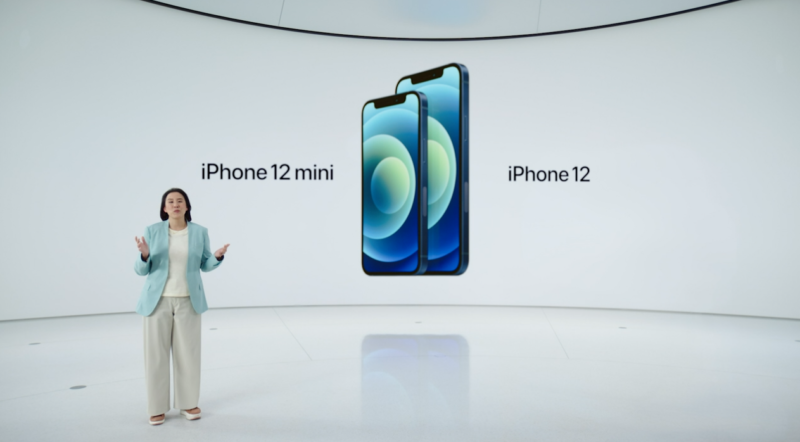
(390,195)
(443,95)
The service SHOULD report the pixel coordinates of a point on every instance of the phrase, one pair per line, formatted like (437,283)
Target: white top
(177,286)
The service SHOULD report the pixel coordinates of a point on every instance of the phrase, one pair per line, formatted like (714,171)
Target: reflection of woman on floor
(172,254)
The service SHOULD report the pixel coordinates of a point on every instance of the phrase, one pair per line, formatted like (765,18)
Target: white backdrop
(689,124)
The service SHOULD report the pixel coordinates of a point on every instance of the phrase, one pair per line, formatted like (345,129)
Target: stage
(400,373)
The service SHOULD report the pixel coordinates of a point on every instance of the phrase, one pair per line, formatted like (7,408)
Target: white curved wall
(689,125)
(438,18)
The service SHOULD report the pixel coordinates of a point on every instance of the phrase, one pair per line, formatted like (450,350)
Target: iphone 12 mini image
(394,180)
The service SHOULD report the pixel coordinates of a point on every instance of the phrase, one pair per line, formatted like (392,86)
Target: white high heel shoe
(190,416)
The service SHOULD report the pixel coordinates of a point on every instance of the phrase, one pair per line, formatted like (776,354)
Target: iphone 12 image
(447,90)
(394,181)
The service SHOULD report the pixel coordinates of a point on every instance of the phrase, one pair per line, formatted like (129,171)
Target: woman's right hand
(141,244)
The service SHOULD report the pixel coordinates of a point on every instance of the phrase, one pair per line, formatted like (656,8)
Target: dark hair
(187,215)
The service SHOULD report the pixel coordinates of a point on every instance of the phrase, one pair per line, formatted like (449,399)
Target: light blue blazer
(157,266)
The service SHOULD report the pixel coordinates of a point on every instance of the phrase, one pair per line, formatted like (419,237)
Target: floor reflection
(415,381)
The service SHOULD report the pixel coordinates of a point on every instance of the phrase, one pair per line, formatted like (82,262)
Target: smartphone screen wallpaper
(444,130)
(390,199)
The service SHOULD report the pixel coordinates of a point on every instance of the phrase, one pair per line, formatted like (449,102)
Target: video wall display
(644,166)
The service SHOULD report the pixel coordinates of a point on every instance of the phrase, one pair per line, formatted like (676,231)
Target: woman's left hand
(218,254)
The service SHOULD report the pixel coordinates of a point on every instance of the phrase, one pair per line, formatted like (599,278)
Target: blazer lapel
(192,233)
(165,237)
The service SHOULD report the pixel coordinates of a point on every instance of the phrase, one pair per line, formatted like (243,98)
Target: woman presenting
(171,254)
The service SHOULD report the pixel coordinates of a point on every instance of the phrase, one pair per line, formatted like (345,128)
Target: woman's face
(175,205)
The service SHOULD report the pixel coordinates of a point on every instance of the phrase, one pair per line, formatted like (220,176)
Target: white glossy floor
(416,373)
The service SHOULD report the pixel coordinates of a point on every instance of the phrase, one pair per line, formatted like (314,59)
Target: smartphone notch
(389,101)
(427,75)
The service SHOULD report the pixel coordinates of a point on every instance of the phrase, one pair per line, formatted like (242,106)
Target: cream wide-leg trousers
(173,324)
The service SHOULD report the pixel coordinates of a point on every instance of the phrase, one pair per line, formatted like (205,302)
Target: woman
(171,254)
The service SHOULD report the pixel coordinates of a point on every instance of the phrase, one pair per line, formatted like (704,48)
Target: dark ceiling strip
(503,37)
